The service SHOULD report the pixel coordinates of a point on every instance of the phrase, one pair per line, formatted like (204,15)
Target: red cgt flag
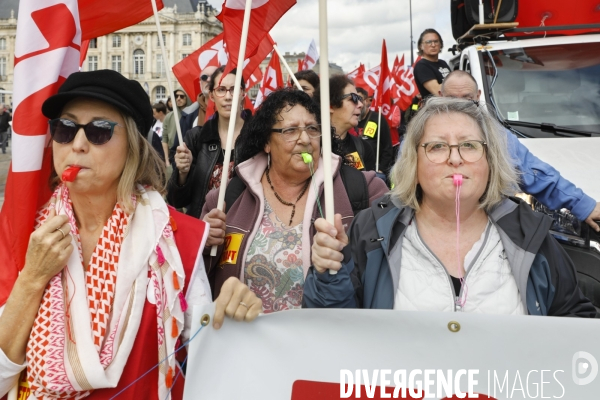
(383,92)
(405,87)
(46,53)
(214,53)
(272,80)
(264,15)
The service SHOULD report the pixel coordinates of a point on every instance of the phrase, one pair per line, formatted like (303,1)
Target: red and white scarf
(89,317)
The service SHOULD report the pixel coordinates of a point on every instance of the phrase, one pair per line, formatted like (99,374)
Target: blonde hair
(143,166)
(503,177)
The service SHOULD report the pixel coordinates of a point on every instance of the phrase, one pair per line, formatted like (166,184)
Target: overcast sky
(357,27)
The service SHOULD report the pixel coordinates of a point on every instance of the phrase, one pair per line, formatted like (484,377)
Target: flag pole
(325,116)
(167,71)
(289,70)
(236,100)
(378,140)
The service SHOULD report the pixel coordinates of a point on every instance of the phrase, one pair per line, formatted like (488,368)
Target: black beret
(106,85)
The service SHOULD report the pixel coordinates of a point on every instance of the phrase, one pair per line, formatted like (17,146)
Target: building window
(160,93)
(2,43)
(184,55)
(2,99)
(116,40)
(116,63)
(187,39)
(160,65)
(92,63)
(138,62)
(3,68)
(164,40)
(93,44)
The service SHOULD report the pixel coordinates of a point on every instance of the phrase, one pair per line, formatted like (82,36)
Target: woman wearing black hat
(103,294)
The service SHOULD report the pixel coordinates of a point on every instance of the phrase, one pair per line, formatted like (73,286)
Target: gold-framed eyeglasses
(469,150)
(293,133)
(432,42)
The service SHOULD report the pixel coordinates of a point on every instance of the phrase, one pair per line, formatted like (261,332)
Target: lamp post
(412,53)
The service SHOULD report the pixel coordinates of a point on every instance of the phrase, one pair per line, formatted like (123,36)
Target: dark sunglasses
(98,132)
(355,98)
(180,96)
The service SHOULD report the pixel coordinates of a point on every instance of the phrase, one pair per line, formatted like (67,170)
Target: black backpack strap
(235,187)
(356,188)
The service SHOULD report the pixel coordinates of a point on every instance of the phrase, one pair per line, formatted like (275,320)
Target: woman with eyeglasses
(272,202)
(448,237)
(430,71)
(345,107)
(106,290)
(199,161)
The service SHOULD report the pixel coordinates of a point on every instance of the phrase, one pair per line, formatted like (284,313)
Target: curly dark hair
(309,76)
(256,132)
(213,77)
(425,32)
(337,84)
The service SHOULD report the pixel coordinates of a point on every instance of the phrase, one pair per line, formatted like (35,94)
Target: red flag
(383,92)
(214,53)
(300,66)
(99,18)
(272,80)
(358,71)
(311,57)
(46,53)
(264,15)
(187,71)
(254,78)
(405,87)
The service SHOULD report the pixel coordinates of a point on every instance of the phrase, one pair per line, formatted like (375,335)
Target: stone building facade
(134,51)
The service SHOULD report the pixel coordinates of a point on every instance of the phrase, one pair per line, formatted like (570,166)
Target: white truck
(546,90)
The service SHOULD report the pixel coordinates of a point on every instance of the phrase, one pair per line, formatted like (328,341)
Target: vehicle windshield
(558,84)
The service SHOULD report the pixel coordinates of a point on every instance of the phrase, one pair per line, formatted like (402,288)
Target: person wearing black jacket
(346,105)
(5,118)
(368,131)
(430,71)
(199,161)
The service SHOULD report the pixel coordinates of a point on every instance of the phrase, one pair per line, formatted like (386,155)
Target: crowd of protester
(393,243)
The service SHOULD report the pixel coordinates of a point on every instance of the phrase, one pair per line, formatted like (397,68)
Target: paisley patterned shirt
(273,267)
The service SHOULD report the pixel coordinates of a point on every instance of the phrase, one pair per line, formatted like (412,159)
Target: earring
(268,160)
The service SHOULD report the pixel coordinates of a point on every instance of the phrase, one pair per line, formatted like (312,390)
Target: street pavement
(4,164)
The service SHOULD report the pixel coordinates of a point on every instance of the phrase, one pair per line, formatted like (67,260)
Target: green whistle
(307,158)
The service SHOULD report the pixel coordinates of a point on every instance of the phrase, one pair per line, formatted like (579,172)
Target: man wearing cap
(169,127)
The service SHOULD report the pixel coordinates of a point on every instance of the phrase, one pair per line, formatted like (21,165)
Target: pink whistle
(457,179)
(70,174)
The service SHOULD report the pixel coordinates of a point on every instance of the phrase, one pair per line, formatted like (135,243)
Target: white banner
(305,354)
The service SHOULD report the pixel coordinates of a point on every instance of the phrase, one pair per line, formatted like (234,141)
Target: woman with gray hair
(448,237)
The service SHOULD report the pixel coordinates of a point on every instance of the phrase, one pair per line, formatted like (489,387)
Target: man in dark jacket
(5,118)
(368,130)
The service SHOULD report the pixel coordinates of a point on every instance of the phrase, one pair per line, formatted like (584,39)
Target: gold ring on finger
(60,230)
(243,304)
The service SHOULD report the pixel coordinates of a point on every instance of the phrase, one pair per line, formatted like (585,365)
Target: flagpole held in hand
(325,116)
(236,100)
(168,71)
(378,140)
(287,67)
